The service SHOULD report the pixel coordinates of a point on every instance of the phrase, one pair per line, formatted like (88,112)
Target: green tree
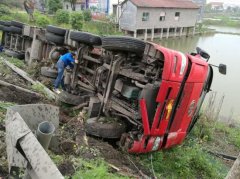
(62,16)
(54,5)
(76,20)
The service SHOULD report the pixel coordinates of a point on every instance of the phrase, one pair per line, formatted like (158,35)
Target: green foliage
(185,161)
(41,20)
(12,3)
(101,28)
(62,16)
(76,20)
(18,63)
(4,10)
(97,169)
(54,5)
(233,134)
(87,15)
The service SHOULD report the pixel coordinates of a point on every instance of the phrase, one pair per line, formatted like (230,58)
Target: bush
(4,10)
(76,20)
(41,20)
(87,15)
(62,16)
(54,5)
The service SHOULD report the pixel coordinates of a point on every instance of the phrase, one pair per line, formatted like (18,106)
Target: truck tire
(2,22)
(59,40)
(68,98)
(105,129)
(7,23)
(86,38)
(49,72)
(7,29)
(17,24)
(56,30)
(15,30)
(127,44)
(14,54)
(1,27)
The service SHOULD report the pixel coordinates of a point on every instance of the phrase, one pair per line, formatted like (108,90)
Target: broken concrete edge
(49,94)
(23,148)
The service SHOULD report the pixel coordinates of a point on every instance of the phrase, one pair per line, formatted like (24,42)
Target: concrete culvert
(44,133)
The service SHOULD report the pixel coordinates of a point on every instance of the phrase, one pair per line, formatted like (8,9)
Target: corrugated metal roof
(183,4)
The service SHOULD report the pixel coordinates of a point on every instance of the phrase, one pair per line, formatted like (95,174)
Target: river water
(223,48)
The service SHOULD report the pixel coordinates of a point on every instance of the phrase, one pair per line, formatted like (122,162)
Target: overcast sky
(226,1)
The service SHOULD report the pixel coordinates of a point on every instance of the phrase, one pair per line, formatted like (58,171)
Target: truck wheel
(1,27)
(68,98)
(7,23)
(128,44)
(55,38)
(7,29)
(105,128)
(15,30)
(49,72)
(86,38)
(2,22)
(14,54)
(17,24)
(56,30)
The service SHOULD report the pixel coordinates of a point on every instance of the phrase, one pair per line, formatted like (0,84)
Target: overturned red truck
(146,95)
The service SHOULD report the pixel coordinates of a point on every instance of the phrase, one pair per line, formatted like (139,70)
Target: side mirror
(203,53)
(222,69)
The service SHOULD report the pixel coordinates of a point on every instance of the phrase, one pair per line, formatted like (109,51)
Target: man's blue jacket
(67,59)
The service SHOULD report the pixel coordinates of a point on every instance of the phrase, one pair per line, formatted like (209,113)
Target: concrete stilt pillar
(145,36)
(194,29)
(161,33)
(175,32)
(167,33)
(152,37)
(181,31)
(135,34)
(187,33)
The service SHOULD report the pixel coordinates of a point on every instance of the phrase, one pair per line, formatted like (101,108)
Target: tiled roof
(183,4)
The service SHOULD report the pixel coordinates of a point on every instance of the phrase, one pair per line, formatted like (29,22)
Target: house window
(177,16)
(162,16)
(145,16)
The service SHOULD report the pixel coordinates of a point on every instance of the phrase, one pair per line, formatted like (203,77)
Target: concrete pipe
(44,133)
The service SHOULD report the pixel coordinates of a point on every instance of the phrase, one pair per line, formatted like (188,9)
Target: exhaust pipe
(44,133)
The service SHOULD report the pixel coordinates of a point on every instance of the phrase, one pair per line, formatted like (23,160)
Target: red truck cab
(185,81)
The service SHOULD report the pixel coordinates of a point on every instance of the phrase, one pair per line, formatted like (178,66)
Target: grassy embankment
(222,19)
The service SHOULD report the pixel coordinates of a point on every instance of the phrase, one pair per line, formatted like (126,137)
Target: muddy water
(223,48)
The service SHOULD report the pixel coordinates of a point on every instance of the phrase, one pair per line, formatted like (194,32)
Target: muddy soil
(11,94)
(89,147)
